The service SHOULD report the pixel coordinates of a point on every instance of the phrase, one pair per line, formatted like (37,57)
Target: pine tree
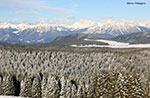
(68,89)
(73,91)
(63,91)
(92,91)
(53,90)
(36,88)
(44,87)
(1,86)
(26,86)
(134,86)
(147,89)
(8,85)
(81,91)
(100,85)
(111,84)
(122,89)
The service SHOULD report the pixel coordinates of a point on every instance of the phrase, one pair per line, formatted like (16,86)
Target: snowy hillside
(113,44)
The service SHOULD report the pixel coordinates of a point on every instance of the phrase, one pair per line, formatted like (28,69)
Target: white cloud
(71,17)
(101,18)
(24,12)
(67,20)
(108,17)
(34,4)
(22,3)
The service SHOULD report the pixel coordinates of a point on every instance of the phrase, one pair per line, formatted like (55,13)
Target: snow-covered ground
(114,44)
(111,43)
(10,97)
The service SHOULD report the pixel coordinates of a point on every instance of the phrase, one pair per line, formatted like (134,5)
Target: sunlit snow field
(114,44)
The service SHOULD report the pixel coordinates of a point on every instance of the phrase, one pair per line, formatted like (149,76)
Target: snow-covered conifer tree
(1,85)
(53,90)
(63,91)
(36,88)
(8,85)
(26,86)
(44,87)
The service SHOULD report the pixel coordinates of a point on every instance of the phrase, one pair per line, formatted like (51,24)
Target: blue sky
(70,10)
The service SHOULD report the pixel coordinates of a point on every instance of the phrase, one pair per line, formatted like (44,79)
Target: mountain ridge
(134,38)
(76,39)
(45,33)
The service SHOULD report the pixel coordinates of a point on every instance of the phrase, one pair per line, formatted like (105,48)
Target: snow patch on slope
(113,44)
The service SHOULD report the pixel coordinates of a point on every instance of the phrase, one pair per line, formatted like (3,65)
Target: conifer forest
(67,72)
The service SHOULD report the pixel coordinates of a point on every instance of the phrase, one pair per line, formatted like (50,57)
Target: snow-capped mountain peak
(145,23)
(19,27)
(83,23)
(38,27)
(115,28)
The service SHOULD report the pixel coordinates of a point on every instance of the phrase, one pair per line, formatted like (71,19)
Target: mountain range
(45,33)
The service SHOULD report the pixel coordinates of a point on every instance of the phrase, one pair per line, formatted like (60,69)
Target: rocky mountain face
(44,33)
